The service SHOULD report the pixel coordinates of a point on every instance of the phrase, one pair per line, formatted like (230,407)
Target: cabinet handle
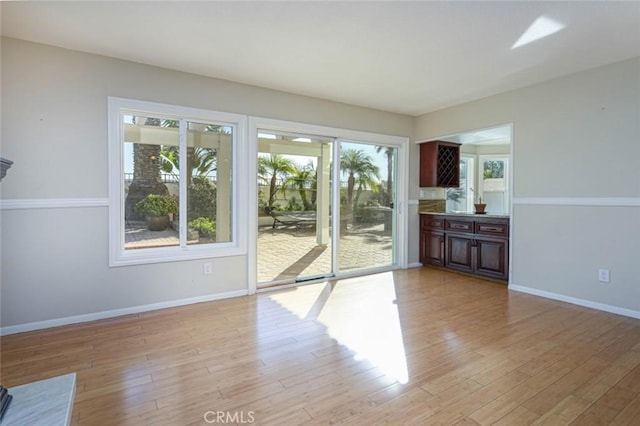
(491,228)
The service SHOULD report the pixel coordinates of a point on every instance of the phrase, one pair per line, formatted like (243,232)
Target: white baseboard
(580,302)
(415,265)
(39,325)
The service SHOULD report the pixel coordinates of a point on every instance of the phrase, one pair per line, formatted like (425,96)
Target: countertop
(488,215)
(45,402)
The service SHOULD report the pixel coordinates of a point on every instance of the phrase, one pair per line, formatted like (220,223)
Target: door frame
(402,173)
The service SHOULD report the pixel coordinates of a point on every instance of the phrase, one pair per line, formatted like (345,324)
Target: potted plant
(480,207)
(205,227)
(157,209)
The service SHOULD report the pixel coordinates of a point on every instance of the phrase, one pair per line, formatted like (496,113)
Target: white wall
(576,141)
(54,115)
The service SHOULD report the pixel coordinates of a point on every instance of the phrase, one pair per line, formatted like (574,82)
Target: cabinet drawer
(492,228)
(432,222)
(459,225)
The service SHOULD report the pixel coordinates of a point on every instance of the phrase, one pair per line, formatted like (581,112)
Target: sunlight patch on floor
(370,328)
(300,300)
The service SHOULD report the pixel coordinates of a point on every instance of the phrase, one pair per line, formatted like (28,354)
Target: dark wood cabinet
(467,244)
(432,240)
(492,258)
(433,248)
(440,164)
(459,252)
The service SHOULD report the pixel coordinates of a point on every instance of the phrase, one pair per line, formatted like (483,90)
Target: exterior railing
(164,178)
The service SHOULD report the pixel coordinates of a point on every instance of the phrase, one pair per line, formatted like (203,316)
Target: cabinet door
(460,252)
(492,257)
(440,164)
(432,248)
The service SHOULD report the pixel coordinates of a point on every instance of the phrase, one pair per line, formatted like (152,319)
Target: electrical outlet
(207,268)
(603,275)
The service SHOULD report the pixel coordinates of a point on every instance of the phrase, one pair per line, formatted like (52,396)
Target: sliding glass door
(325,207)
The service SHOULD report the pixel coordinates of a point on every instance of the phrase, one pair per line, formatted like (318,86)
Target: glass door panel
(294,208)
(367,206)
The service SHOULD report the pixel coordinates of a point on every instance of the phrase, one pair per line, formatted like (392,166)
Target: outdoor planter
(157,223)
(157,210)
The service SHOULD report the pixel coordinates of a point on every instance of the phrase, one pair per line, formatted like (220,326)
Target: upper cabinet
(440,164)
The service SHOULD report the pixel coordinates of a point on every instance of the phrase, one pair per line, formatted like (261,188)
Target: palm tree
(272,168)
(388,152)
(200,161)
(363,182)
(146,172)
(300,180)
(360,169)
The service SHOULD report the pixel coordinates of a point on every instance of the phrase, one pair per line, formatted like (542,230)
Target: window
(173,182)
(494,180)
(490,184)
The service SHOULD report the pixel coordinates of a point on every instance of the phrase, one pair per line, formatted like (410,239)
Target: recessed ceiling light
(541,27)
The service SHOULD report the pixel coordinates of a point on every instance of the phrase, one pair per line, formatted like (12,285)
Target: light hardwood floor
(410,347)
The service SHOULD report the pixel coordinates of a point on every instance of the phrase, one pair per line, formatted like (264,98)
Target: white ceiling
(492,136)
(405,57)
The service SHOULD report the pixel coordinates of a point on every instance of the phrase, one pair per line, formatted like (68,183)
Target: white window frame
(118,256)
(470,192)
(472,162)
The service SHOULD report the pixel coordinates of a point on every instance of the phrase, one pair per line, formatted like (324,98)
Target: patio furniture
(297,219)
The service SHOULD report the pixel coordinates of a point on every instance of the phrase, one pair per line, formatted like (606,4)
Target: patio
(286,253)
(138,236)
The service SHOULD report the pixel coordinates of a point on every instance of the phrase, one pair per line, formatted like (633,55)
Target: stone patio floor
(287,253)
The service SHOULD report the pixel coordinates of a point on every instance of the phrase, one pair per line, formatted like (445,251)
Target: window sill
(173,254)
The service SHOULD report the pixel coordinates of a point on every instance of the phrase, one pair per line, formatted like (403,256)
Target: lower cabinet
(466,244)
(460,253)
(492,258)
(432,250)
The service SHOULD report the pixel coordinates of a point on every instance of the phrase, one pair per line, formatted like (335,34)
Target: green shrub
(201,197)
(206,227)
(293,205)
(156,205)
